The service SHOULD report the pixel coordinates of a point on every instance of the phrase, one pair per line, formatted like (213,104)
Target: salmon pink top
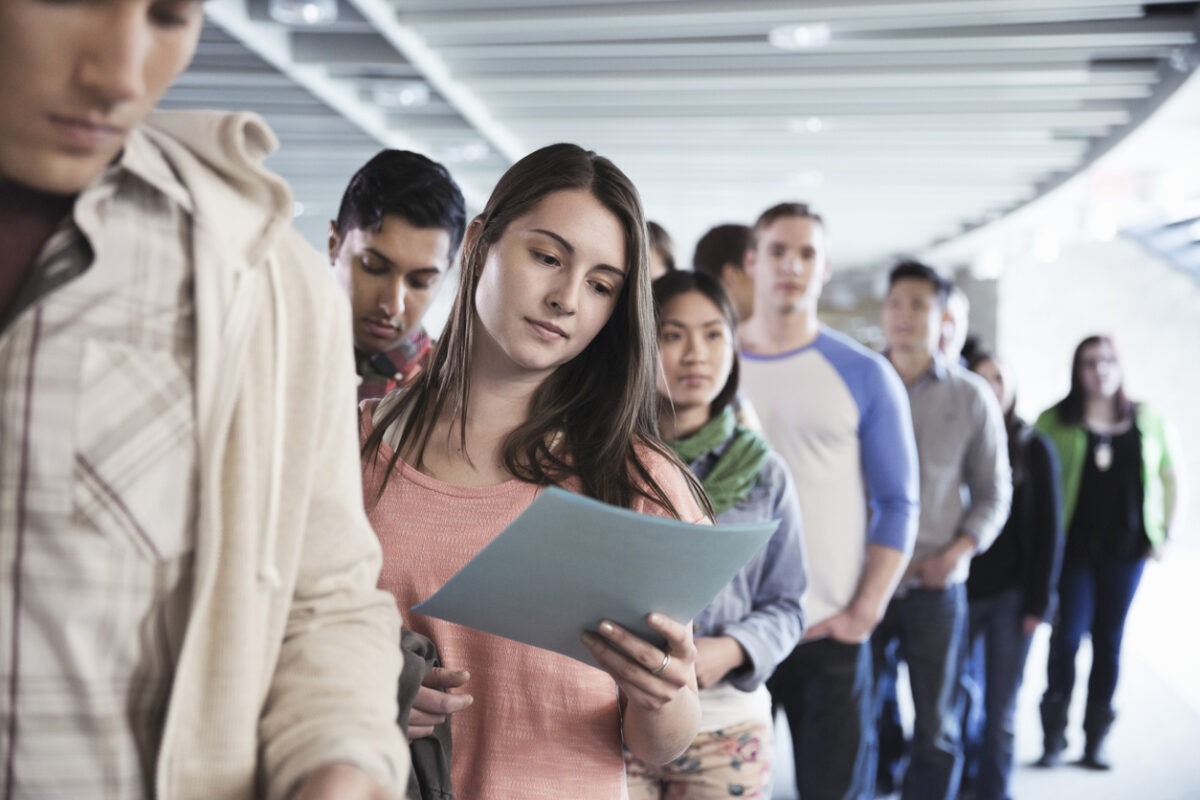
(542,724)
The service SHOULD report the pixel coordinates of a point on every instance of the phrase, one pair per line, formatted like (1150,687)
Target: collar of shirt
(936,371)
(400,360)
(937,368)
(144,161)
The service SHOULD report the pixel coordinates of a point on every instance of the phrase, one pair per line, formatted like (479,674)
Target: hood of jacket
(219,156)
(285,561)
(243,244)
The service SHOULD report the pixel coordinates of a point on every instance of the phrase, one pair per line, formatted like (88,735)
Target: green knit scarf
(737,470)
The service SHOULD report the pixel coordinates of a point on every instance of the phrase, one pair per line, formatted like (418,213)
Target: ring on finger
(663,666)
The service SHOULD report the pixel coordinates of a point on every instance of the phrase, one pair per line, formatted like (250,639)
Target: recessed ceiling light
(808,179)
(806,125)
(1184,59)
(400,94)
(303,12)
(469,152)
(799,37)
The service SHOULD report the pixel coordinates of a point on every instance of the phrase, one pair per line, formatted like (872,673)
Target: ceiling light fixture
(1184,59)
(400,94)
(806,125)
(471,152)
(303,12)
(807,179)
(799,37)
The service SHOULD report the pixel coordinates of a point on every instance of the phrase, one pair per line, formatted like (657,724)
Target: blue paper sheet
(570,561)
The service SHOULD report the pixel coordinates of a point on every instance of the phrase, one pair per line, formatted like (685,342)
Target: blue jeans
(825,689)
(995,665)
(929,627)
(1095,598)
(891,744)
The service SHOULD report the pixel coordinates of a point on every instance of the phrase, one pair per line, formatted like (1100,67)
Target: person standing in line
(956,326)
(721,254)
(756,620)
(398,227)
(893,745)
(1121,495)
(662,250)
(544,376)
(960,446)
(189,590)
(1010,591)
(838,415)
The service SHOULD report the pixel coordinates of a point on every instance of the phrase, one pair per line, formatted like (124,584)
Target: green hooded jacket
(1070,443)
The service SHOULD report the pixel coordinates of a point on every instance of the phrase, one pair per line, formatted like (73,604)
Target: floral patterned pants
(733,762)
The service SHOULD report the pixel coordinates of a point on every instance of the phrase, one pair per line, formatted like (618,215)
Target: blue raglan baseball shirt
(838,414)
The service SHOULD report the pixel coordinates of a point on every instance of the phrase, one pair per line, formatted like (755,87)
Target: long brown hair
(1070,408)
(588,417)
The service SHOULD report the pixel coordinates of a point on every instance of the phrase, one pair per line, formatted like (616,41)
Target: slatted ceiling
(744,18)
(332,48)
(785,62)
(821,97)
(1122,34)
(1070,76)
(932,114)
(746,25)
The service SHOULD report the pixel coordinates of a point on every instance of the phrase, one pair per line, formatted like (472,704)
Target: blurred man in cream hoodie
(189,604)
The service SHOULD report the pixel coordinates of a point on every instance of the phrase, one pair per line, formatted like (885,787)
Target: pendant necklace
(1104,453)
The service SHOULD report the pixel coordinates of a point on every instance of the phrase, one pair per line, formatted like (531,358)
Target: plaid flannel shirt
(379,373)
(97,487)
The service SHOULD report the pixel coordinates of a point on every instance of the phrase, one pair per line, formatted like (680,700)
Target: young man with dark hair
(189,596)
(398,227)
(961,446)
(838,415)
(720,253)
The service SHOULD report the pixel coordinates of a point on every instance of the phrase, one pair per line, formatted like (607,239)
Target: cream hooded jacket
(290,658)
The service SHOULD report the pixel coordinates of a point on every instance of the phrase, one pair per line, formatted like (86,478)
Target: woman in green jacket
(1119,494)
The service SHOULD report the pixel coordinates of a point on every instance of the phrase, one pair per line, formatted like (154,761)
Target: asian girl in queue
(756,621)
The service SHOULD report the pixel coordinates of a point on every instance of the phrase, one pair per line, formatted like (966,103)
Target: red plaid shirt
(382,372)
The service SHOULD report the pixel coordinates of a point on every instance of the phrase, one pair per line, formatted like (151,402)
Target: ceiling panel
(905,121)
